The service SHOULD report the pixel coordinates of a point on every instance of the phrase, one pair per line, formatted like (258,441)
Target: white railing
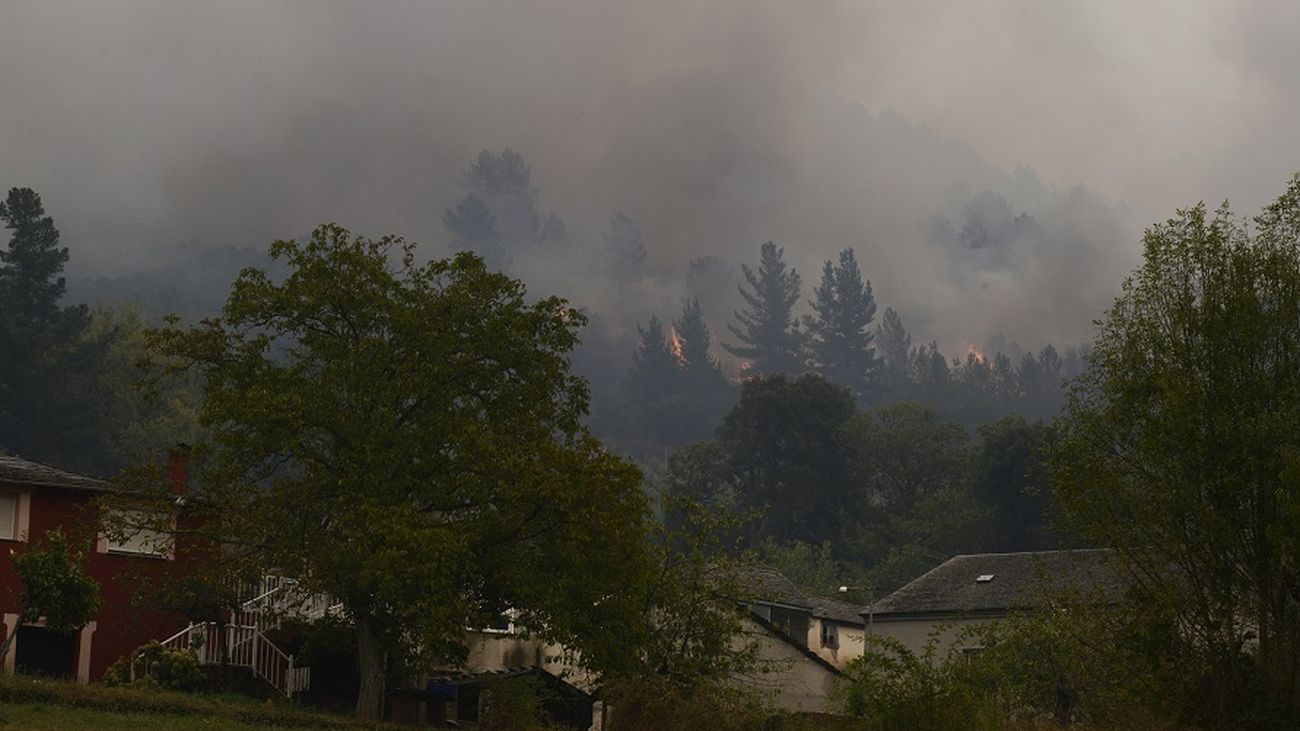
(262,606)
(245,647)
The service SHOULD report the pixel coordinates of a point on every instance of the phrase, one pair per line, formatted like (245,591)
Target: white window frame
(833,634)
(10,532)
(22,513)
(164,546)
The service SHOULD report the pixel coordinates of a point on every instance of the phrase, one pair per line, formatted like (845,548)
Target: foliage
(1179,450)
(498,217)
(1010,476)
(783,443)
(767,331)
(839,334)
(53,586)
(692,622)
(675,389)
(154,665)
(142,706)
(514,704)
(624,250)
(1079,660)
(47,367)
(892,687)
(320,388)
(656,704)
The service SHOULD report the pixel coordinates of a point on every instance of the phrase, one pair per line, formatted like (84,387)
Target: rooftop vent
(983,578)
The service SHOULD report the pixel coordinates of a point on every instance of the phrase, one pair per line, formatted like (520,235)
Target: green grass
(27,703)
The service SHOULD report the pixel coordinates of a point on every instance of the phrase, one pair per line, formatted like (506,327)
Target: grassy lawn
(45,717)
(38,705)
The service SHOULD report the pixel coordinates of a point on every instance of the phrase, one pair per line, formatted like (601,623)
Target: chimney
(178,469)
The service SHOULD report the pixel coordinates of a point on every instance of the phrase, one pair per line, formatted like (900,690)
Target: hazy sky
(716,124)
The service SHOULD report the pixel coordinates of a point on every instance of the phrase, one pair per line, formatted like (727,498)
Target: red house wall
(120,627)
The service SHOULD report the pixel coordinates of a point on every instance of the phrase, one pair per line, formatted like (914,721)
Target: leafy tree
(783,440)
(1180,448)
(45,364)
(624,250)
(768,332)
(1010,477)
(407,439)
(839,335)
(54,586)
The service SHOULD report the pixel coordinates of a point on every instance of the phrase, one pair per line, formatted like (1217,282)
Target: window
(830,634)
(136,532)
(9,516)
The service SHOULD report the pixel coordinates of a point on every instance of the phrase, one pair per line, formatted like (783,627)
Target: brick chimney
(178,469)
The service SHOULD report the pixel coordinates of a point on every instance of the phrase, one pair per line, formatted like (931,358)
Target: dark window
(791,622)
(42,652)
(830,634)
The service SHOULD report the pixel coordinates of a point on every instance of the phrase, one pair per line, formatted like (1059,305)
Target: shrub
(153,664)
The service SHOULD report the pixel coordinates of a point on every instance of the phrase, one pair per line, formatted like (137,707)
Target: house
(802,644)
(36,498)
(833,630)
(976,589)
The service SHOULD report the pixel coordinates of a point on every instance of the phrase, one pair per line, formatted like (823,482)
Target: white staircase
(246,645)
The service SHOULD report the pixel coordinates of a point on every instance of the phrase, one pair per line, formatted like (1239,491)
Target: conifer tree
(43,360)
(840,345)
(707,392)
(624,250)
(653,383)
(767,331)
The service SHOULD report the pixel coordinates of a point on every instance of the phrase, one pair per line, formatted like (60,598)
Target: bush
(894,688)
(154,664)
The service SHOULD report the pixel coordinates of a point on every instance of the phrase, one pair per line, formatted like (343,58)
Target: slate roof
(19,471)
(1018,581)
(766,584)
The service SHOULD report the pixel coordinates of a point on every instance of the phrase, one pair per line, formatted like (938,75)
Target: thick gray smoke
(151,127)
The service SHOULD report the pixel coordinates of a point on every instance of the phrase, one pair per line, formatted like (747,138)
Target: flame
(977,354)
(676,345)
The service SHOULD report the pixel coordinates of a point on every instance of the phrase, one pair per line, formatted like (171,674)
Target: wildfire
(676,345)
(976,354)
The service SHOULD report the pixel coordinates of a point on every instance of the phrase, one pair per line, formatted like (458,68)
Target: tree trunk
(10,634)
(370,661)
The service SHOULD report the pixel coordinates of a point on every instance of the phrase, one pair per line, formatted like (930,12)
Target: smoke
(152,128)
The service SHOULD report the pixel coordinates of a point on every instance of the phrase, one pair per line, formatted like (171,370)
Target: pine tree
(503,186)
(43,361)
(840,337)
(895,343)
(707,393)
(475,228)
(768,332)
(624,250)
(652,385)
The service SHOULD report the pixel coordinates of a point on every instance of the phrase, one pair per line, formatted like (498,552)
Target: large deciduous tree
(408,439)
(1181,446)
(784,442)
(767,331)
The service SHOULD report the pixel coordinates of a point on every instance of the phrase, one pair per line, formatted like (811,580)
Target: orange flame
(977,354)
(676,345)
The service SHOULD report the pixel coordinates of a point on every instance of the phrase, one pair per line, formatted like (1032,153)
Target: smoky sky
(150,127)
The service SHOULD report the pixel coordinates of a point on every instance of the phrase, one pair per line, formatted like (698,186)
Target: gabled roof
(999,582)
(767,585)
(777,633)
(19,471)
